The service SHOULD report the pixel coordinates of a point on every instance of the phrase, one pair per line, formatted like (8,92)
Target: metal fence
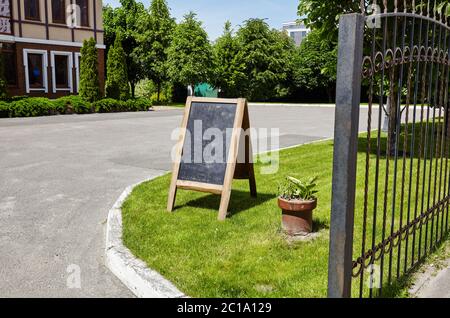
(391,184)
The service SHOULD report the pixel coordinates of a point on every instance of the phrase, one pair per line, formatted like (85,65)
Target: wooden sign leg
(249,154)
(178,155)
(224,202)
(172,194)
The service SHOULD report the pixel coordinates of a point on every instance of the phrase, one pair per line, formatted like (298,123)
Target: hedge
(73,104)
(40,106)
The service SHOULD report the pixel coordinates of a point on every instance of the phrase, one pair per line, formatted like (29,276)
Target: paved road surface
(60,175)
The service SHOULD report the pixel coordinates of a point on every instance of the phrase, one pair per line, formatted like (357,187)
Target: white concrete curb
(134,273)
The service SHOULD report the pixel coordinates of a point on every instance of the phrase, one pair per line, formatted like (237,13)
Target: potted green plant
(297,201)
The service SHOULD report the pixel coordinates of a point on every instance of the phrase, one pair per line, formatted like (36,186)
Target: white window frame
(69,73)
(77,70)
(44,54)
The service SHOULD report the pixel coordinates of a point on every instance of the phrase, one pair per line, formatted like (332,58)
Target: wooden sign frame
(233,170)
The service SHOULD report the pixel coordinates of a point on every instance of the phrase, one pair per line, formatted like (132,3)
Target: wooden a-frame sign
(219,114)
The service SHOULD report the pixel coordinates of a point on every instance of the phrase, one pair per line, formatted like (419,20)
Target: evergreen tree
(312,61)
(123,21)
(265,56)
(116,78)
(229,70)
(154,38)
(190,57)
(89,82)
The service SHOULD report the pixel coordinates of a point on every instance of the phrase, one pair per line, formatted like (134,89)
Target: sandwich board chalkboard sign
(212,149)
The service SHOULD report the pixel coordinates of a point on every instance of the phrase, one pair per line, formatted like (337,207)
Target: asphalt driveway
(60,175)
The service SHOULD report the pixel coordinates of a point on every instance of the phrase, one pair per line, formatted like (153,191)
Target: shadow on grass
(430,137)
(319,225)
(240,201)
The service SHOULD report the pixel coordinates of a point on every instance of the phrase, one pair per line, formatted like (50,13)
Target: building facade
(41,41)
(296,31)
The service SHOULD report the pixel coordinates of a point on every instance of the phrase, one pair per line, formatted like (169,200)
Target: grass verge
(247,255)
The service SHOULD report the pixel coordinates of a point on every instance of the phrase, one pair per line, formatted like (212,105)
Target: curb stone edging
(134,273)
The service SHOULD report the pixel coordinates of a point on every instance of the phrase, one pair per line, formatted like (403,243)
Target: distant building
(296,31)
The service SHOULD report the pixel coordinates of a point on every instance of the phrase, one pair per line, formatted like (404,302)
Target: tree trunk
(133,89)
(159,92)
(330,94)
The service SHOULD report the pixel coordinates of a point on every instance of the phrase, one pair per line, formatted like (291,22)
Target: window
(84,12)
(35,62)
(10,63)
(61,71)
(58,11)
(32,10)
(35,71)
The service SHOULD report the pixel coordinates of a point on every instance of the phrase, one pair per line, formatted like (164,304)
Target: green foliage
(154,38)
(266,56)
(3,81)
(323,15)
(315,63)
(41,106)
(33,106)
(73,104)
(124,22)
(89,82)
(148,89)
(229,71)
(109,105)
(295,189)
(116,85)
(140,104)
(190,53)
(4,109)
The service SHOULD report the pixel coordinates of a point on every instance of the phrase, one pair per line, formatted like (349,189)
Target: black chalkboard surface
(206,157)
(207,115)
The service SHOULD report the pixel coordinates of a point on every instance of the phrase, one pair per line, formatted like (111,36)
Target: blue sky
(214,13)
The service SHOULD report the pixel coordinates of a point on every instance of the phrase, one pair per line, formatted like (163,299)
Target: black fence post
(348,94)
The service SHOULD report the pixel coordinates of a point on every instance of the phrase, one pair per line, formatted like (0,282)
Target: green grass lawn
(247,255)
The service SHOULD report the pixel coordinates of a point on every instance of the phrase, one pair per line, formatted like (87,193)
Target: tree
(312,64)
(116,79)
(154,38)
(265,56)
(229,68)
(89,82)
(190,53)
(124,21)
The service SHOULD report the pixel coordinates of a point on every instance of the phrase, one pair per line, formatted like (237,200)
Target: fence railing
(391,184)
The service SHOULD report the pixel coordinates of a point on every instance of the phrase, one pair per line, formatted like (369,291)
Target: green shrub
(4,109)
(116,85)
(89,82)
(139,104)
(33,106)
(73,104)
(16,98)
(109,105)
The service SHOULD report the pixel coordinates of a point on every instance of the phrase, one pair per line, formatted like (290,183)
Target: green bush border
(22,106)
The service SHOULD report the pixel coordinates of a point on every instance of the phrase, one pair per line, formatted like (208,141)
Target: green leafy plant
(4,109)
(89,81)
(140,104)
(33,106)
(295,189)
(73,104)
(109,105)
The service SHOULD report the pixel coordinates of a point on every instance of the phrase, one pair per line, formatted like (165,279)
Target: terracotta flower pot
(297,216)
